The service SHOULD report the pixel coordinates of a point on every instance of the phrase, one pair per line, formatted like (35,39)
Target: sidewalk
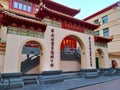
(112,85)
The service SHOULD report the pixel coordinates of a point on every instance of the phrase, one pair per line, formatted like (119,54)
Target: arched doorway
(71,53)
(99,57)
(114,64)
(30,57)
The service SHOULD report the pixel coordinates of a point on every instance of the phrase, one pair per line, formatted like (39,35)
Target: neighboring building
(42,35)
(109,21)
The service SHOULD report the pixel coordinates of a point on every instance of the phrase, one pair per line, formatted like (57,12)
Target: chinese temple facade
(42,35)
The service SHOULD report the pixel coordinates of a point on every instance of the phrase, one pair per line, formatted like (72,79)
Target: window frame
(96,21)
(24,8)
(105,19)
(104,32)
(15,6)
(23,3)
(97,33)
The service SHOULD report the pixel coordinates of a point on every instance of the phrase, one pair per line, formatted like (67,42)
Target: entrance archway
(114,64)
(99,58)
(30,57)
(72,52)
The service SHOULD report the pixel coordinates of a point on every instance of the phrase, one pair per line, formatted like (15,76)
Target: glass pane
(15,4)
(106,32)
(25,7)
(105,19)
(20,6)
(29,9)
(96,33)
(96,21)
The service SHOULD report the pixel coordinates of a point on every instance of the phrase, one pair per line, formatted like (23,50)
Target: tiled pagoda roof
(8,18)
(102,39)
(56,6)
(44,12)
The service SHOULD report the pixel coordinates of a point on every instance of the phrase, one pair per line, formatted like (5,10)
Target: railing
(72,56)
(30,63)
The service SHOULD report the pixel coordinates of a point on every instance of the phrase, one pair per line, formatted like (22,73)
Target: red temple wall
(70,42)
(66,25)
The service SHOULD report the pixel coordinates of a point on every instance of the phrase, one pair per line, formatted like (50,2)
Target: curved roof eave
(45,11)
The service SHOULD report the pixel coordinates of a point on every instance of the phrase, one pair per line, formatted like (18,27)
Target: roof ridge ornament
(41,3)
(1,7)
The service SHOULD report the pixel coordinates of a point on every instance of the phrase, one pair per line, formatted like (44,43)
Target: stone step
(11,83)
(71,75)
(28,80)
(51,78)
(11,80)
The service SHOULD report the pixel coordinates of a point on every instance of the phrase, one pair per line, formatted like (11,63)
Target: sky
(87,7)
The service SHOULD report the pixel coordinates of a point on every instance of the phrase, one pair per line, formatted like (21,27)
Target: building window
(20,6)
(29,9)
(15,5)
(96,21)
(104,19)
(106,32)
(96,33)
(26,7)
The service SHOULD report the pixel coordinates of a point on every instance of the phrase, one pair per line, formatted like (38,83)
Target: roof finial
(1,7)
(41,3)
